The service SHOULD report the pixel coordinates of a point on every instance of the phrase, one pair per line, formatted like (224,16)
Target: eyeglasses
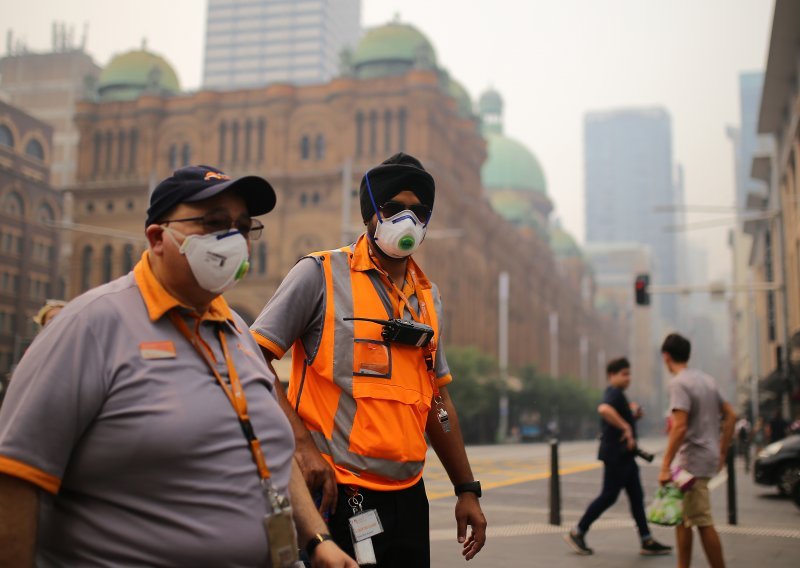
(392,208)
(219,221)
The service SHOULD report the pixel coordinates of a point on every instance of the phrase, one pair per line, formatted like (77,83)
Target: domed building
(394,49)
(131,74)
(512,176)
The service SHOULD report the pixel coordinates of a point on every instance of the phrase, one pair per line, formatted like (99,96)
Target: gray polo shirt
(141,454)
(697,394)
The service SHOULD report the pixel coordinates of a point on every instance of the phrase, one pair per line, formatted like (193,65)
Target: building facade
(253,43)
(775,255)
(629,173)
(314,143)
(29,241)
(48,86)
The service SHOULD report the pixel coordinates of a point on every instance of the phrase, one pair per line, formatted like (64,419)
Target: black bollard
(555,485)
(731,488)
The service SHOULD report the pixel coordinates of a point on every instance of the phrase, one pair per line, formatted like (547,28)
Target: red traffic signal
(642,288)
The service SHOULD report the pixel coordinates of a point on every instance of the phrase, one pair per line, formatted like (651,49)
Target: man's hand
(637,410)
(468,512)
(723,461)
(318,475)
(665,475)
(627,437)
(329,555)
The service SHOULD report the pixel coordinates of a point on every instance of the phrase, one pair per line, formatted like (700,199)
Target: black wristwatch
(315,541)
(471,487)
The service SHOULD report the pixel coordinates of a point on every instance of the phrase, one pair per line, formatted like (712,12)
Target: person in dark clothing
(777,427)
(617,445)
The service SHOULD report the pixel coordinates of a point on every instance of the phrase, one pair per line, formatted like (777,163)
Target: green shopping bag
(667,508)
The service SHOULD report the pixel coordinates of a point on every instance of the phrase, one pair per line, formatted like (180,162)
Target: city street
(515,501)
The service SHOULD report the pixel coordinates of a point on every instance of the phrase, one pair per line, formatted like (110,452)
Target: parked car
(779,464)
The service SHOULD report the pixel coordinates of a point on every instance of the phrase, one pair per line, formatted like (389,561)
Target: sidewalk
(767,534)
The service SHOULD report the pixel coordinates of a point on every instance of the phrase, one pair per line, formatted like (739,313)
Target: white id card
(365,524)
(282,539)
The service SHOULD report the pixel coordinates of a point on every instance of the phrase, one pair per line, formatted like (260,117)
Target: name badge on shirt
(157,350)
(365,524)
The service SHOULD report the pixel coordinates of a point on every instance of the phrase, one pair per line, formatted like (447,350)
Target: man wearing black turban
(364,393)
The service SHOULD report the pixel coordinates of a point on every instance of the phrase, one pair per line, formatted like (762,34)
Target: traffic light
(642,290)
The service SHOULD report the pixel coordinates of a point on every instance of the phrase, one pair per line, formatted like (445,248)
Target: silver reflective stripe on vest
(343,339)
(355,463)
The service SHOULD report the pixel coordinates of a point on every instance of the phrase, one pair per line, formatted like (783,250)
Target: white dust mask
(399,235)
(217,260)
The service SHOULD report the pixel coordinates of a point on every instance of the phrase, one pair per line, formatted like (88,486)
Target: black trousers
(405,540)
(618,475)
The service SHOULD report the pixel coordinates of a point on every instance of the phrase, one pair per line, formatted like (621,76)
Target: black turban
(399,173)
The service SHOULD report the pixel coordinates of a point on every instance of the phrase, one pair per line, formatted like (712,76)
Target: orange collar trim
(361,261)
(159,301)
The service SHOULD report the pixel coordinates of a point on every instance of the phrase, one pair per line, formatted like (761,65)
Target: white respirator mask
(399,235)
(217,260)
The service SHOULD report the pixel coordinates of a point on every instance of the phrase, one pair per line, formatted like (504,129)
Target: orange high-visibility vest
(364,401)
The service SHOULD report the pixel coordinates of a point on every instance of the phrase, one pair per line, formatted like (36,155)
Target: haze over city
(551,61)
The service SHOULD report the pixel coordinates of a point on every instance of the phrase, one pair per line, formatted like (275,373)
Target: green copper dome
(130,74)
(460,94)
(563,244)
(392,49)
(510,165)
(490,103)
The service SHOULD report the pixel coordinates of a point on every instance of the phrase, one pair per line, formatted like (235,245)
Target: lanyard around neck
(234,392)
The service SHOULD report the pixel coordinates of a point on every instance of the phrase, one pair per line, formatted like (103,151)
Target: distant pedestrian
(759,435)
(743,434)
(699,413)
(620,471)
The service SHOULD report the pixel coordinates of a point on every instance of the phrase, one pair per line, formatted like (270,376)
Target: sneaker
(577,542)
(651,547)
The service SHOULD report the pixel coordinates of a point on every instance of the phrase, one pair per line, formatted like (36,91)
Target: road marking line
(433,495)
(530,529)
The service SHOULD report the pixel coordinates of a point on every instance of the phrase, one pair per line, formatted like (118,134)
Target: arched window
(319,147)
(262,258)
(6,136)
(173,157)
(34,149)
(109,147)
(45,213)
(305,149)
(359,133)
(303,200)
(120,151)
(223,129)
(248,135)
(387,131)
(373,133)
(98,143)
(13,205)
(127,258)
(186,154)
(132,157)
(86,267)
(108,258)
(262,132)
(234,143)
(401,130)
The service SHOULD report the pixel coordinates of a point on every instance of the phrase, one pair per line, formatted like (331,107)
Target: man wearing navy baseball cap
(145,409)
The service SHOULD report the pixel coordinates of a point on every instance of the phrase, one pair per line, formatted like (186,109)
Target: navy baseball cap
(195,183)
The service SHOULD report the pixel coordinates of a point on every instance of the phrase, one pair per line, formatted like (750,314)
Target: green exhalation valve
(243,268)
(406,242)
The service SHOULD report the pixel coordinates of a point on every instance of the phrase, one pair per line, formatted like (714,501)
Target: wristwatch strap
(315,541)
(471,487)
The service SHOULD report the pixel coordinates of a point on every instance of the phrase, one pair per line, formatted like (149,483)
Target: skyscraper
(629,172)
(251,43)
